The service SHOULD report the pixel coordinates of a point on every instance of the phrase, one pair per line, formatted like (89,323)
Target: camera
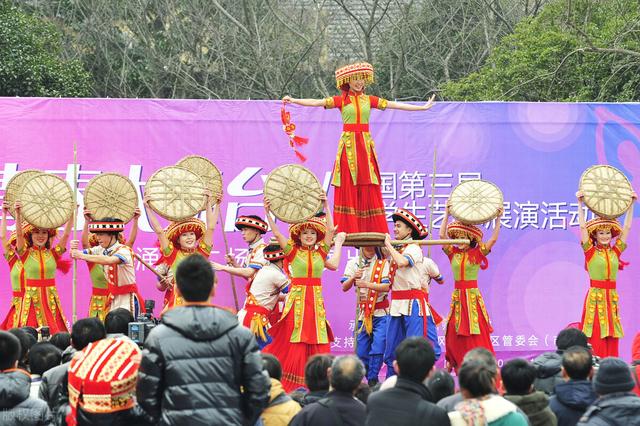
(139,330)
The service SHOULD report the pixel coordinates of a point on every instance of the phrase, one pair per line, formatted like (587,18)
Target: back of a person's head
(415,358)
(570,337)
(315,372)
(26,342)
(362,392)
(85,331)
(272,366)
(477,378)
(117,321)
(61,340)
(613,376)
(194,278)
(518,376)
(30,330)
(43,356)
(577,362)
(10,350)
(441,385)
(482,355)
(347,372)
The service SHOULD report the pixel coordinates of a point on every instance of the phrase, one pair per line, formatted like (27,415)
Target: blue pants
(263,343)
(405,326)
(371,347)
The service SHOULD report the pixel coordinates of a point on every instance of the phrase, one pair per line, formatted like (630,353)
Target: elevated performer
(358,205)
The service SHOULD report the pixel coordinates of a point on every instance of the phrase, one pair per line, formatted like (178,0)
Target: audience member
(26,342)
(441,385)
(43,356)
(199,365)
(61,340)
(616,404)
(549,364)
(575,394)
(53,388)
(116,322)
(102,384)
(17,408)
(409,402)
(339,407)
(635,364)
(281,408)
(364,391)
(316,378)
(481,406)
(517,377)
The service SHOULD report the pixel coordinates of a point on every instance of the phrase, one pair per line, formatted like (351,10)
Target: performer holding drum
(609,194)
(468,324)
(358,205)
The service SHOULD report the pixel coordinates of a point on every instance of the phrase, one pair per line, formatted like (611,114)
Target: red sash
(606,284)
(421,296)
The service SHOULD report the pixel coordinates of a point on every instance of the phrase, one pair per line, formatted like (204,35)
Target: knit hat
(613,376)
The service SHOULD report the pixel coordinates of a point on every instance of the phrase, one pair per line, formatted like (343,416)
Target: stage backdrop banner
(535,152)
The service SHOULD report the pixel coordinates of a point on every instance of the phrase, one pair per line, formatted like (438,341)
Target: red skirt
(51,313)
(602,346)
(12,320)
(292,356)
(457,344)
(359,207)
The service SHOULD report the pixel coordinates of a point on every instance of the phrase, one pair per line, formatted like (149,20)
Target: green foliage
(31,62)
(590,52)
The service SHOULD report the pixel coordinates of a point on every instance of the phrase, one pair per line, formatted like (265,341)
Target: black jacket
(407,403)
(16,407)
(351,412)
(616,409)
(549,367)
(201,367)
(571,400)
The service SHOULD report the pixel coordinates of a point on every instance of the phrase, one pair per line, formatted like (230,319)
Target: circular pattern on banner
(111,195)
(546,126)
(47,201)
(14,187)
(607,191)
(175,193)
(475,201)
(293,192)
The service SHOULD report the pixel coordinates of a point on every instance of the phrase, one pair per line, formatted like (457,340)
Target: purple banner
(535,152)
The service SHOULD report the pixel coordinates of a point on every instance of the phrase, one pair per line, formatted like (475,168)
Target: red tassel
(299,140)
(300,156)
(63,265)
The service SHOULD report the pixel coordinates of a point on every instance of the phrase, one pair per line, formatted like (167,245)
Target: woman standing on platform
(303,329)
(468,324)
(41,304)
(358,205)
(600,314)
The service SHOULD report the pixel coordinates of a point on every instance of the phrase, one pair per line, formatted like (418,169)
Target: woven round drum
(175,193)
(14,186)
(607,191)
(111,195)
(364,239)
(294,193)
(47,201)
(207,171)
(475,201)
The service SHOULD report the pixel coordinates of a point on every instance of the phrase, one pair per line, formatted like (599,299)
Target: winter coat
(201,367)
(281,408)
(616,409)
(16,407)
(549,368)
(498,412)
(52,380)
(351,412)
(571,399)
(407,403)
(635,365)
(536,406)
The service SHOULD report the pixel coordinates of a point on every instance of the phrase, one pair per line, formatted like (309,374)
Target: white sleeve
(431,267)
(350,269)
(413,252)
